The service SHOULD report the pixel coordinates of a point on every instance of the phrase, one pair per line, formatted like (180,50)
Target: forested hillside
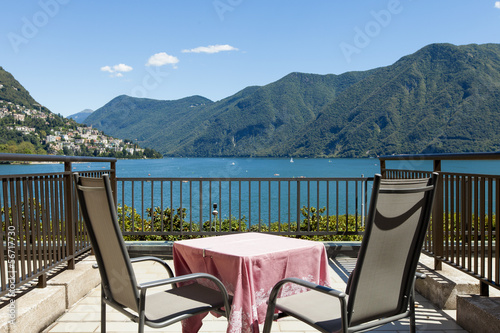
(442,98)
(26,127)
(253,122)
(12,91)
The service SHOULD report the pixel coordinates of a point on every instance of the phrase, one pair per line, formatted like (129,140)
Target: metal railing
(40,222)
(464,226)
(212,206)
(41,227)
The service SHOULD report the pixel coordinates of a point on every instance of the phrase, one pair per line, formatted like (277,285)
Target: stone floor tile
(114,326)
(213,326)
(76,316)
(74,327)
(86,308)
(293,326)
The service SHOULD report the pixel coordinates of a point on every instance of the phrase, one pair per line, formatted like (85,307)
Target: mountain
(249,123)
(442,98)
(12,91)
(152,123)
(81,116)
(26,127)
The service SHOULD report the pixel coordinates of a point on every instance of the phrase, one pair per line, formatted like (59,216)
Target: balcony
(50,245)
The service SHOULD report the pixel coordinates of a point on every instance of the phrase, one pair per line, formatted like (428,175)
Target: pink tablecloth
(249,265)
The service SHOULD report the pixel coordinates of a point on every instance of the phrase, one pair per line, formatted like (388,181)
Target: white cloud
(106,69)
(211,49)
(122,68)
(116,70)
(497,4)
(161,59)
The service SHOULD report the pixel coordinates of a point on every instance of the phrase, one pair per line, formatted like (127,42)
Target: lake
(256,167)
(203,198)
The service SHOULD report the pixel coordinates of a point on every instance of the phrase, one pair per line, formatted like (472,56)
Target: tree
(25,148)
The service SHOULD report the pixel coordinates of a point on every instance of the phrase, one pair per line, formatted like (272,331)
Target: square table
(249,265)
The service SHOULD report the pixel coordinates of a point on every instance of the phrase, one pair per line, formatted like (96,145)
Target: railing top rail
(251,179)
(448,173)
(433,157)
(53,158)
(48,174)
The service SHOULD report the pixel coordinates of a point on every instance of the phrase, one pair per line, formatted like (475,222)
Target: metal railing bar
(230,201)
(491,182)
(482,225)
(142,205)
(328,206)
(289,207)
(239,203)
(497,227)
(249,203)
(220,205)
(123,207)
(476,217)
(152,209)
(201,202)
(298,205)
(162,223)
(269,206)
(346,202)
(39,234)
(356,205)
(337,205)
(279,205)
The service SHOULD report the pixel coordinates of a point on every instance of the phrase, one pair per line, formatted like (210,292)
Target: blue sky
(72,55)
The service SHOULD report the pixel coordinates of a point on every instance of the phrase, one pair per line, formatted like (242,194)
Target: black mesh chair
(381,287)
(120,289)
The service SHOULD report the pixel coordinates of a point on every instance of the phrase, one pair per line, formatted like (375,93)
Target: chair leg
(412,322)
(267,325)
(141,322)
(103,312)
(269,316)
(142,314)
(412,313)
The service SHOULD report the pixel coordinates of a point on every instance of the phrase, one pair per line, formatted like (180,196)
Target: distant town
(69,138)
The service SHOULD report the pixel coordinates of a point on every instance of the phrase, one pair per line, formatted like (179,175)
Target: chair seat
(320,310)
(190,299)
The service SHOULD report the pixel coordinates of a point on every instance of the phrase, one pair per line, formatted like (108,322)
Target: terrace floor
(84,316)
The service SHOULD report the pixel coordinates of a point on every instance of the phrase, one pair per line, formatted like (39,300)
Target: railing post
(484,289)
(70,223)
(437,220)
(112,179)
(382,168)
(42,281)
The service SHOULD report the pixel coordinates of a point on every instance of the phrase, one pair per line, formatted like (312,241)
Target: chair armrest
(178,279)
(313,286)
(156,259)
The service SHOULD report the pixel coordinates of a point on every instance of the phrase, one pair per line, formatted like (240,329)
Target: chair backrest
(396,225)
(99,213)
